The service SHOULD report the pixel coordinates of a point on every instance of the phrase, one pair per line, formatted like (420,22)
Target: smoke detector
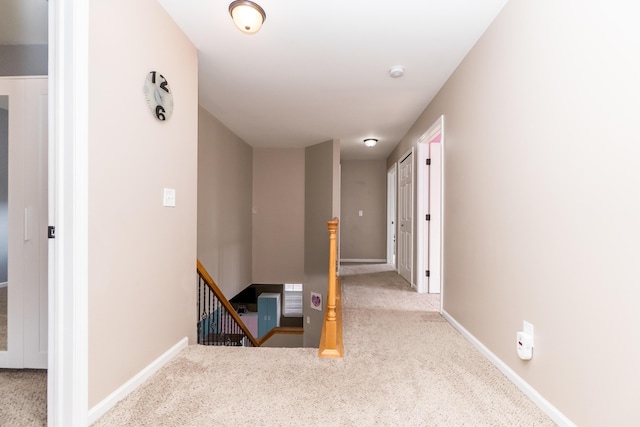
(396,71)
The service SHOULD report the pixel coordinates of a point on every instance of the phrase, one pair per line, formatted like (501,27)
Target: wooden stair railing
(218,322)
(331,339)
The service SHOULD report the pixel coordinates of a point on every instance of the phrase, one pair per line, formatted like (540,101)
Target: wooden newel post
(331,340)
(333,255)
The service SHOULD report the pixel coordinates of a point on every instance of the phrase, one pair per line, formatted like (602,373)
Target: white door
(405,219)
(429,209)
(24,104)
(391,215)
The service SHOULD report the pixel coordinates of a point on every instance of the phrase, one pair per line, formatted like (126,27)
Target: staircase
(219,324)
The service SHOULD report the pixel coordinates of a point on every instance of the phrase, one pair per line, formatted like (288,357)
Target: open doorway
(24,208)
(391,215)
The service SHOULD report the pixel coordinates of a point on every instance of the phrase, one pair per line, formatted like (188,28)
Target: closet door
(35,241)
(12,131)
(23,223)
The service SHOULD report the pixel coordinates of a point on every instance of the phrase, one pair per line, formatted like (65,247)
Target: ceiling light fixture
(396,71)
(247,15)
(370,142)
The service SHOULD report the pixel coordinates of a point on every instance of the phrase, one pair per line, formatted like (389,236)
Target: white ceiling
(317,70)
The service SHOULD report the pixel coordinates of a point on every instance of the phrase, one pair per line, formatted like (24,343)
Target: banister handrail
(226,304)
(331,339)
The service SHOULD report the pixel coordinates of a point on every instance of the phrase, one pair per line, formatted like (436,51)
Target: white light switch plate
(169,198)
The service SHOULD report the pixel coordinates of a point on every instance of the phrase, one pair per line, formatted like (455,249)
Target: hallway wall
(224,204)
(142,291)
(24,60)
(540,204)
(278,215)
(322,203)
(363,187)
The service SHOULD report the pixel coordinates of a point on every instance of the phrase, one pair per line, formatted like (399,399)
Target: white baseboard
(363,260)
(125,389)
(4,284)
(546,407)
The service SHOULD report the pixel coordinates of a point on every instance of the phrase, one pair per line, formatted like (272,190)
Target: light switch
(359,213)
(169,198)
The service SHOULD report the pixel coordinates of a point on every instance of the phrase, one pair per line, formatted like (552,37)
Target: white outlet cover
(527,328)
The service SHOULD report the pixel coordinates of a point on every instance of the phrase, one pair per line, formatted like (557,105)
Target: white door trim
(422,200)
(68,177)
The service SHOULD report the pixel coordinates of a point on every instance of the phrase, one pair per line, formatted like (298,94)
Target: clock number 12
(163,84)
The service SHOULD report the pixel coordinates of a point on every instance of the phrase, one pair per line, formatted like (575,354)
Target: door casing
(430,201)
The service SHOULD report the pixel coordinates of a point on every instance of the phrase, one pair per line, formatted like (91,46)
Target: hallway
(404,365)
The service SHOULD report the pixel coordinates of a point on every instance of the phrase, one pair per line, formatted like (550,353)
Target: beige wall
(224,204)
(278,215)
(141,254)
(363,188)
(541,206)
(321,168)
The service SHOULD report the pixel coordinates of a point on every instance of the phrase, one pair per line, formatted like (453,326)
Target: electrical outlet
(527,328)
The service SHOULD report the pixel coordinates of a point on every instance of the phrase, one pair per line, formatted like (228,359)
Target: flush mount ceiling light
(396,71)
(247,15)
(370,142)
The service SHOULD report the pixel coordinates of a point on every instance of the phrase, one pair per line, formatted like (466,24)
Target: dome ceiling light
(247,15)
(370,142)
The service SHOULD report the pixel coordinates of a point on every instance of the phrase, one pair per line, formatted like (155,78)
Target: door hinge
(427,273)
(428,162)
(427,217)
(51,232)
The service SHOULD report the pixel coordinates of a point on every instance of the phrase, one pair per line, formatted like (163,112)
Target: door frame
(424,192)
(392,185)
(67,379)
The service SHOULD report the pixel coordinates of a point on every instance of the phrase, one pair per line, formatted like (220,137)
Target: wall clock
(158,95)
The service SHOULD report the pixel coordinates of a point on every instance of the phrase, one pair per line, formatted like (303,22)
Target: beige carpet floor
(23,392)
(403,366)
(23,398)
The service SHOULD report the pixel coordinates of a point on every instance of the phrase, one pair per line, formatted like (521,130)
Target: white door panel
(405,214)
(26,346)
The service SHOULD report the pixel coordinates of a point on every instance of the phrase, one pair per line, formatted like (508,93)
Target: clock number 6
(160,112)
